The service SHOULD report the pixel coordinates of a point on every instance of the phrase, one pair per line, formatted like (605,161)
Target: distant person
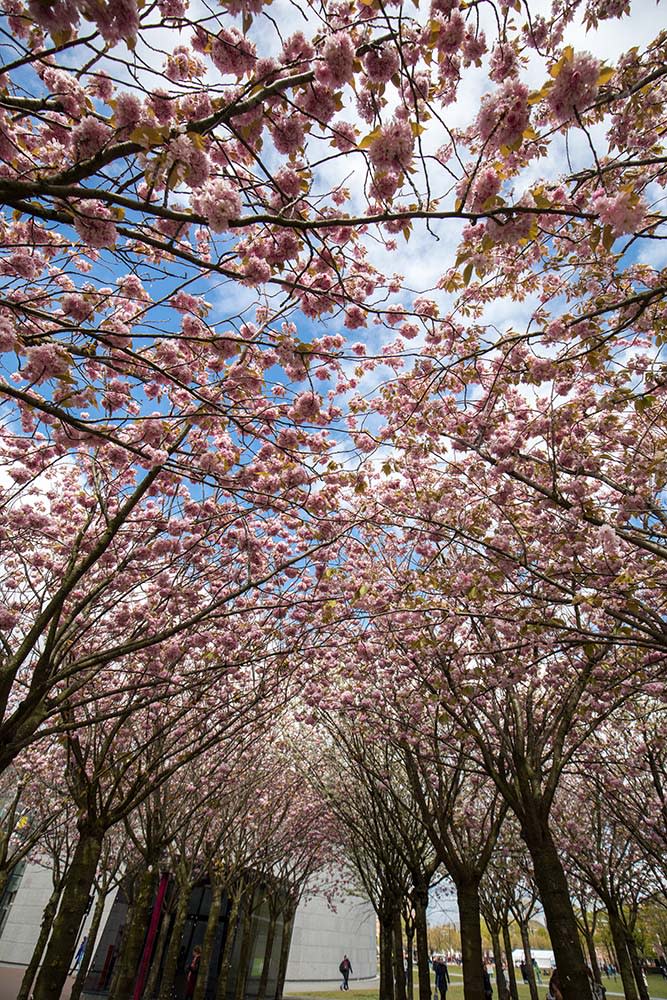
(193,972)
(441,976)
(523,968)
(345,968)
(78,958)
(538,974)
(486,983)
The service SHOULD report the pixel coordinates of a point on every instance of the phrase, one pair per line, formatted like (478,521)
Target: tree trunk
(467,896)
(174,946)
(76,891)
(44,931)
(245,954)
(89,951)
(528,957)
(555,898)
(386,958)
(503,993)
(409,947)
(230,936)
(288,924)
(592,955)
(399,968)
(135,936)
(421,933)
(511,972)
(623,958)
(266,965)
(212,925)
(158,954)
(635,961)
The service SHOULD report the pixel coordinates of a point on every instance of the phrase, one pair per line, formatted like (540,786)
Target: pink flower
(255,271)
(45,361)
(305,407)
(288,133)
(128,111)
(101,86)
(624,212)
(182,65)
(218,202)
(297,48)
(232,53)
(93,222)
(89,136)
(503,62)
(337,66)
(344,136)
(8,339)
(392,150)
(504,115)
(575,87)
(66,90)
(381,63)
(173,8)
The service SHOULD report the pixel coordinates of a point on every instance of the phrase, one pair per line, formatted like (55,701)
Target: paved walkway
(10,982)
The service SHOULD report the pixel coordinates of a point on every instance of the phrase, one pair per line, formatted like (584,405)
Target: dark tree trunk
(421,934)
(266,964)
(511,973)
(230,937)
(528,957)
(635,961)
(135,936)
(174,946)
(467,895)
(399,968)
(76,892)
(555,898)
(209,940)
(386,958)
(623,958)
(592,955)
(285,941)
(503,993)
(44,931)
(247,942)
(150,988)
(89,951)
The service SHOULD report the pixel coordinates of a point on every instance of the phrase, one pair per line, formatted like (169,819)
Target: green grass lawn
(657,989)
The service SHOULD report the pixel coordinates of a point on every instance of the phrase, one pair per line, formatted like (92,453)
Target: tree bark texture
(285,941)
(135,936)
(386,957)
(421,934)
(528,957)
(266,964)
(174,945)
(82,972)
(399,968)
(247,942)
(555,898)
(44,931)
(228,947)
(209,941)
(511,972)
(73,904)
(503,992)
(624,964)
(467,896)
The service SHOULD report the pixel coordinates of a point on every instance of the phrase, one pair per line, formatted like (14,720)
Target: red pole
(150,938)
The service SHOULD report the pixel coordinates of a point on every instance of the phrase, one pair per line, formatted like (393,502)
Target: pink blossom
(504,115)
(89,136)
(45,361)
(381,62)
(218,202)
(66,90)
(337,64)
(128,110)
(9,618)
(162,106)
(232,53)
(93,222)
(101,86)
(288,133)
(318,102)
(182,65)
(575,87)
(297,48)
(8,338)
(503,63)
(306,407)
(392,150)
(344,136)
(624,212)
(173,8)
(255,271)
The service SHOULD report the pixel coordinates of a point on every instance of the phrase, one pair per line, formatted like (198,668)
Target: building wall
(321,937)
(20,933)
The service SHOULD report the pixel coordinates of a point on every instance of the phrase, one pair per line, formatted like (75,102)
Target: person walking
(441,976)
(345,968)
(524,971)
(193,972)
(486,983)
